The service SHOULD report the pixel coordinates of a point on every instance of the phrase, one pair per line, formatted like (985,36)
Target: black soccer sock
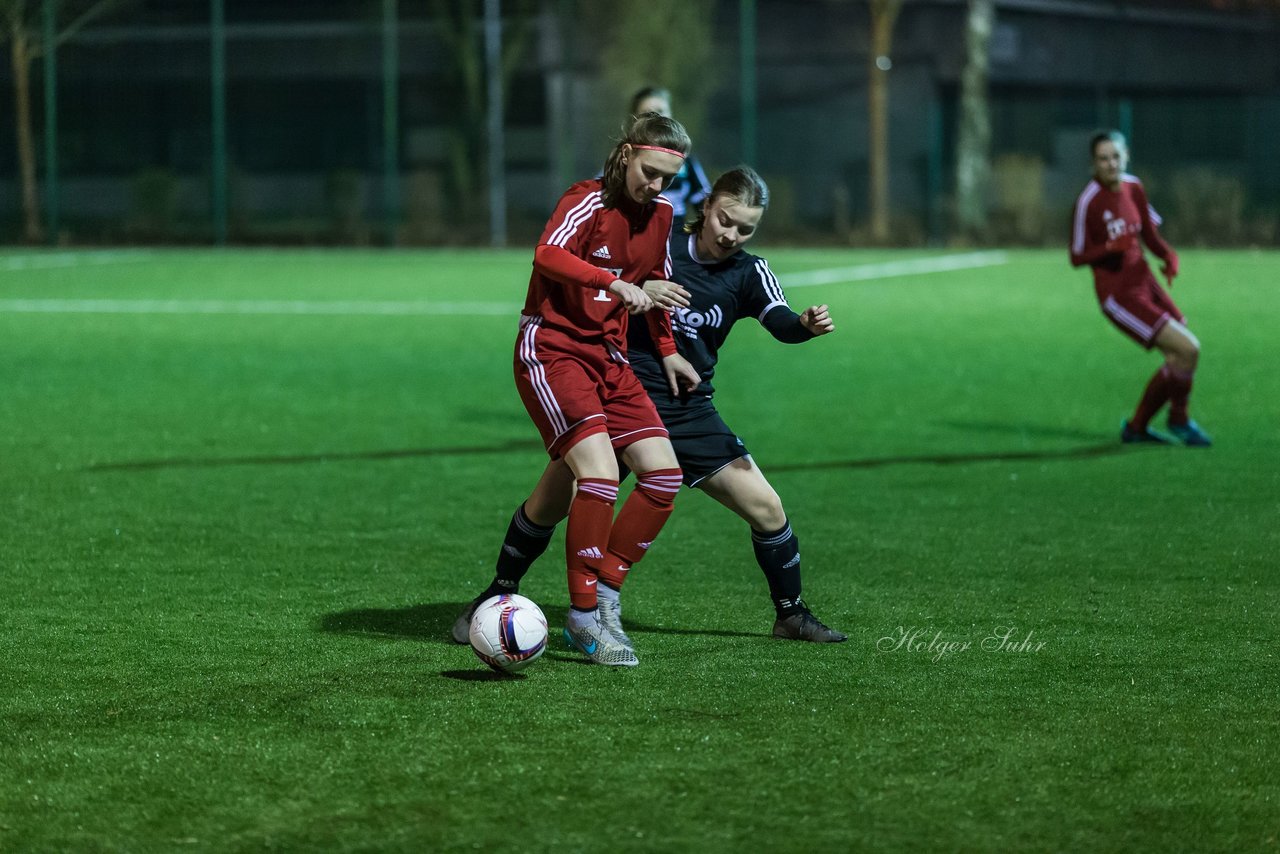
(524,543)
(778,554)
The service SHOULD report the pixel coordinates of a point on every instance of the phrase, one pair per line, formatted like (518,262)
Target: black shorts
(704,444)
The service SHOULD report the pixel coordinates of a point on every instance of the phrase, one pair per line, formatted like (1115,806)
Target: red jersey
(1103,216)
(583,249)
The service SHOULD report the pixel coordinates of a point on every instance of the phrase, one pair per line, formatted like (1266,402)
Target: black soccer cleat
(803,626)
(1130,436)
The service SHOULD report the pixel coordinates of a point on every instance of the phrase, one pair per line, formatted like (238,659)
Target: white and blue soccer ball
(508,632)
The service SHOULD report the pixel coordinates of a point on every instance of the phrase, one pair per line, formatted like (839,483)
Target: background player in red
(603,256)
(725,285)
(1111,222)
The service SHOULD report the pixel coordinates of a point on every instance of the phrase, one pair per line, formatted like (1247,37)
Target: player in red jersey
(725,285)
(603,256)
(1111,222)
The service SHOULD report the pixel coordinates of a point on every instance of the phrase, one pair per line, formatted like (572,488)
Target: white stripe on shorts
(538,374)
(1125,318)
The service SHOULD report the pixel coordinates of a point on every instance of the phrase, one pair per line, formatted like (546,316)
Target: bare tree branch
(95,11)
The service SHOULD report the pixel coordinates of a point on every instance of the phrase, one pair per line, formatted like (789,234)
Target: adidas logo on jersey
(591,552)
(602,252)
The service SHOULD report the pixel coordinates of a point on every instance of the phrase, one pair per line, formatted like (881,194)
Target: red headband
(679,154)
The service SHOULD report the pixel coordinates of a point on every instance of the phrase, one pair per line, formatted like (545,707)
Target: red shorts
(571,395)
(1140,311)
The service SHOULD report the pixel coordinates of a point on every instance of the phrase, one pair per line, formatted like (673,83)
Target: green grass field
(233,543)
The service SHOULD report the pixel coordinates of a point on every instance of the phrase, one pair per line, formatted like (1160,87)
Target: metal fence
(336,121)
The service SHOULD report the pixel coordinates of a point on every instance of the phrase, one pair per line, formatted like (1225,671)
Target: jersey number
(603,296)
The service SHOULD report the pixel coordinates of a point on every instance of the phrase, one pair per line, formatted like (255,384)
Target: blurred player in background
(602,256)
(1111,222)
(725,285)
(690,187)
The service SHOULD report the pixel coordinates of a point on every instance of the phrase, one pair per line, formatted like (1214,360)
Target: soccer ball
(508,632)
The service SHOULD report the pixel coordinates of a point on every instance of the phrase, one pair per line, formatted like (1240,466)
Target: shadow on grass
(432,622)
(1039,431)
(634,626)
(513,445)
(1106,449)
(481,676)
(1100,449)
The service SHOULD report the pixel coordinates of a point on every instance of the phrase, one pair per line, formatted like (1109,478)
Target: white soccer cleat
(611,621)
(599,645)
(461,631)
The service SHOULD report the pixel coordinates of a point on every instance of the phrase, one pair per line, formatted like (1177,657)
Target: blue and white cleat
(1130,436)
(1191,435)
(599,645)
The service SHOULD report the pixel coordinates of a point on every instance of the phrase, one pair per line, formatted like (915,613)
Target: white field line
(271,307)
(50,260)
(809,278)
(892,269)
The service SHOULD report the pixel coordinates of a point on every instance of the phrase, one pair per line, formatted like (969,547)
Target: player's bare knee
(1184,359)
(767,514)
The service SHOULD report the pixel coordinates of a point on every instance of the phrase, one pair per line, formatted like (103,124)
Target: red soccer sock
(1157,392)
(1179,392)
(638,523)
(587,537)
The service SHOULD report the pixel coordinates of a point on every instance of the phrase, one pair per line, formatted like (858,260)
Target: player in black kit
(728,285)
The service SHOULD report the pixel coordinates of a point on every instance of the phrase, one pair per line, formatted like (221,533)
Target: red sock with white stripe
(587,537)
(1154,397)
(638,523)
(1179,393)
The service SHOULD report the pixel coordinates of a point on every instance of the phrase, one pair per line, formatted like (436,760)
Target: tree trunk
(20,55)
(884,14)
(973,141)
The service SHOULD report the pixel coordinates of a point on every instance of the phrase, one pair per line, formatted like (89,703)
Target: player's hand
(667,295)
(680,374)
(817,319)
(1170,267)
(635,299)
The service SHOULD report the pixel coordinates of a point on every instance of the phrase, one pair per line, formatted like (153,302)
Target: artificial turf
(233,543)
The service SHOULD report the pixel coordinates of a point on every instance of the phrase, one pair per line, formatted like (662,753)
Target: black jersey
(689,188)
(721,294)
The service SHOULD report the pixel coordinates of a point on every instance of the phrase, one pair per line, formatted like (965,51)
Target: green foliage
(1209,207)
(1018,215)
(459,24)
(344,194)
(154,197)
(233,545)
(667,43)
